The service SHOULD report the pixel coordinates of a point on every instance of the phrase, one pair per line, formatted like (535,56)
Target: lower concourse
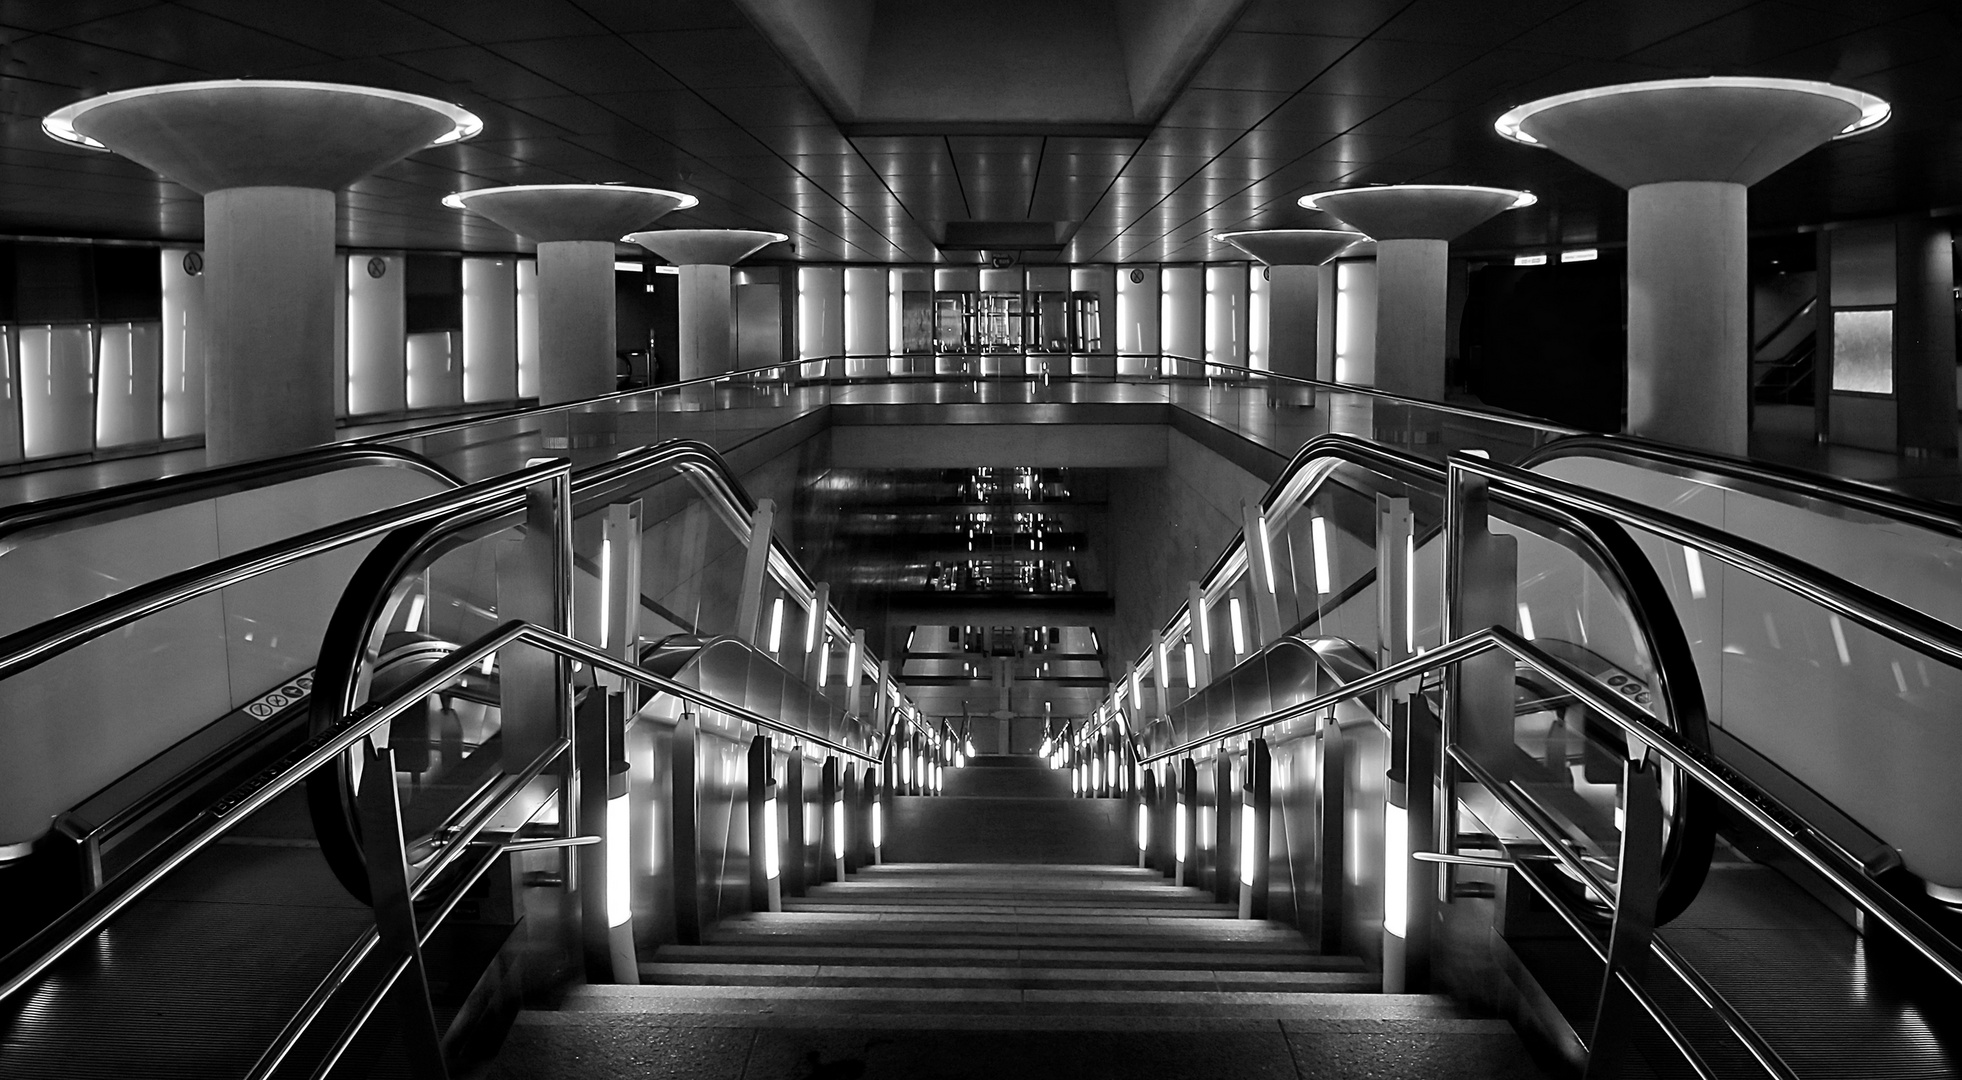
(751,538)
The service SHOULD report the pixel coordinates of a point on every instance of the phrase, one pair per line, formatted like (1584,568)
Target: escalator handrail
(703,461)
(43,641)
(1851,494)
(1880,614)
(142,496)
(93,913)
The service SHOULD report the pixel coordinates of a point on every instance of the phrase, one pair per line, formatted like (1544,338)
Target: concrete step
(991,976)
(995,783)
(1161,959)
(1021,1005)
(1009,830)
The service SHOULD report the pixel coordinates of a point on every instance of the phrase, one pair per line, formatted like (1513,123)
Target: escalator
(1790,932)
(227,936)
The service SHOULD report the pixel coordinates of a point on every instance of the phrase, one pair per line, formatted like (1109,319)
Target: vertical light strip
(772,858)
(1693,569)
(1191,668)
(1247,839)
(606,589)
(1410,594)
(619,863)
(1396,869)
(1266,551)
(776,624)
(1239,628)
(1318,528)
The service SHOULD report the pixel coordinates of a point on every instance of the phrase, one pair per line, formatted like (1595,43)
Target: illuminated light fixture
(1144,826)
(970,748)
(1096,774)
(1247,844)
(1693,570)
(626,267)
(1076,780)
(1410,594)
(1520,200)
(1318,530)
(811,626)
(1839,641)
(1046,747)
(939,778)
(772,861)
(906,768)
(1191,668)
(414,620)
(1178,832)
(1580,255)
(1239,627)
(1525,622)
(1266,551)
(460,200)
(1874,111)
(1110,765)
(674,270)
(1529,260)
(838,828)
(776,624)
(854,665)
(1396,869)
(824,666)
(606,589)
(1137,688)
(484,668)
(60,124)
(619,864)
(878,825)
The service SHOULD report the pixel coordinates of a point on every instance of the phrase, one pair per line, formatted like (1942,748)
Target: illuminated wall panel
(183,347)
(1226,313)
(1137,317)
(435,372)
(867,319)
(375,335)
(57,389)
(1260,292)
(1182,313)
(1863,351)
(820,314)
(10,449)
(527,328)
(490,330)
(340,340)
(1355,322)
(129,370)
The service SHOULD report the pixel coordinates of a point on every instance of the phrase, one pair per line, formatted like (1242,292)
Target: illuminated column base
(1689,315)
(575,320)
(269,286)
(1410,300)
(708,336)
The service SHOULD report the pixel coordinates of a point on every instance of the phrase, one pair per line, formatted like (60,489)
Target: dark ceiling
(1299,96)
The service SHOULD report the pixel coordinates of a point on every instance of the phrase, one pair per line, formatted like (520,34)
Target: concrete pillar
(1413,225)
(269,284)
(1294,320)
(708,334)
(1686,150)
(575,316)
(1688,315)
(1924,338)
(268,158)
(1410,300)
(576,227)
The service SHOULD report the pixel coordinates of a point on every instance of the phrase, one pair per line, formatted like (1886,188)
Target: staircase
(1034,968)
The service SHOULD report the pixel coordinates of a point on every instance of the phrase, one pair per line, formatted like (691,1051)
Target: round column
(1296,261)
(706,256)
(1687,150)
(268,157)
(1413,225)
(575,227)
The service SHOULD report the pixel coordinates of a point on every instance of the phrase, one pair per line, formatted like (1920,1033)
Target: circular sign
(1137,277)
(1266,273)
(194,263)
(377,267)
